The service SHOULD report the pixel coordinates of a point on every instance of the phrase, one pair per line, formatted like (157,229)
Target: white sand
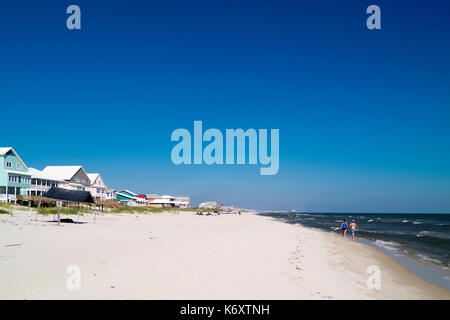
(183,256)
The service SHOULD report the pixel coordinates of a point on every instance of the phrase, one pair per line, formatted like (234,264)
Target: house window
(8,164)
(83,181)
(18,166)
(77,179)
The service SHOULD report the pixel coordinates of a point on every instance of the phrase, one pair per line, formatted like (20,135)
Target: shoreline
(416,263)
(183,256)
(426,271)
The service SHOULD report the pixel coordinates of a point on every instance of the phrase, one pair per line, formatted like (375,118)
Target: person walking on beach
(353,227)
(344,228)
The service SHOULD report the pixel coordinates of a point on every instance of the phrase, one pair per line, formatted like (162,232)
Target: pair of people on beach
(353,227)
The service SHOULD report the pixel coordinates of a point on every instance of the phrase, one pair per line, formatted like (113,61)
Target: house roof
(143,196)
(93,176)
(5,150)
(38,174)
(128,191)
(161,201)
(125,196)
(152,195)
(62,172)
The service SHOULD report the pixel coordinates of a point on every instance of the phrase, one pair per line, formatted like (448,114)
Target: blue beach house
(126,197)
(14,177)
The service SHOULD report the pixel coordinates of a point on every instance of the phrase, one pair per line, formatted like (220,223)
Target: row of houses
(130,198)
(16,178)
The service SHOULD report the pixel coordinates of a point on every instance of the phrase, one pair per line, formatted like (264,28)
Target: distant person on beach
(344,228)
(353,227)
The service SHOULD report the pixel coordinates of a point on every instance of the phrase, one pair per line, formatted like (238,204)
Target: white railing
(10,197)
(34,187)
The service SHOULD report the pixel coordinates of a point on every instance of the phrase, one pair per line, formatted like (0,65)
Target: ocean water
(422,238)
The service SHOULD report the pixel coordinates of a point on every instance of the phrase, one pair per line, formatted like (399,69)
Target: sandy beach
(184,256)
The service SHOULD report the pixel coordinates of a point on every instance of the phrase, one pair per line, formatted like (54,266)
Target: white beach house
(42,182)
(98,188)
(73,177)
(208,205)
(168,201)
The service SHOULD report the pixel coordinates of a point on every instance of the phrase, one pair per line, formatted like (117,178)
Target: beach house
(162,201)
(182,201)
(97,188)
(73,177)
(208,205)
(111,194)
(128,198)
(14,177)
(142,198)
(41,182)
(168,201)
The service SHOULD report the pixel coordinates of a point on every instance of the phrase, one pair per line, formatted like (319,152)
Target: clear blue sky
(364,116)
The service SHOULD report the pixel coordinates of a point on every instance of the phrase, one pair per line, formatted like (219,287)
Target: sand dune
(183,256)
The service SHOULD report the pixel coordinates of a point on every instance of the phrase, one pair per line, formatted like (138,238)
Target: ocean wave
(405,221)
(370,220)
(427,258)
(433,234)
(390,245)
(417,222)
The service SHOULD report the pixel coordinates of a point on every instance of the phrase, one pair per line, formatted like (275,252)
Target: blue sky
(364,116)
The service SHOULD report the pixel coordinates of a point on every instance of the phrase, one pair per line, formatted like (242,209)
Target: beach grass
(64,211)
(3,211)
(148,210)
(144,210)
(5,205)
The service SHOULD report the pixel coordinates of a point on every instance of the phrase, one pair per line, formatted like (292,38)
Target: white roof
(126,195)
(38,174)
(167,196)
(5,150)
(62,172)
(130,192)
(161,201)
(93,176)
